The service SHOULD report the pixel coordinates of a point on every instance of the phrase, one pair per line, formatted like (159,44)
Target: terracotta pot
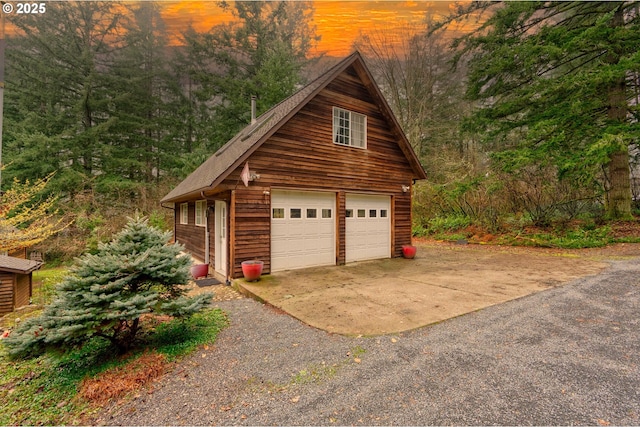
(252,270)
(199,270)
(409,251)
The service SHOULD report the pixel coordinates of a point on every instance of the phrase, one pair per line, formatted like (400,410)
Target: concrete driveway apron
(394,295)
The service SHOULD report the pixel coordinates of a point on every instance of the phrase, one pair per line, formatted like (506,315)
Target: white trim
(201,213)
(349,128)
(184,213)
(220,237)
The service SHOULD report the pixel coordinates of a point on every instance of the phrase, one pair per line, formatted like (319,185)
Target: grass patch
(576,234)
(315,373)
(319,372)
(55,389)
(44,284)
(449,237)
(575,238)
(180,337)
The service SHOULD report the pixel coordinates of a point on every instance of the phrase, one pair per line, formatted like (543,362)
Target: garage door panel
(301,235)
(368,229)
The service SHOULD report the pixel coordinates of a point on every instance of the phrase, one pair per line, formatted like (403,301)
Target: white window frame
(201,213)
(184,213)
(349,128)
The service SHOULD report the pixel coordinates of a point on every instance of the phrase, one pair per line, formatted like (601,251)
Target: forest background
(526,126)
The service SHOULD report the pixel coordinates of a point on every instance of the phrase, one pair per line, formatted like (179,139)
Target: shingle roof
(234,152)
(18,265)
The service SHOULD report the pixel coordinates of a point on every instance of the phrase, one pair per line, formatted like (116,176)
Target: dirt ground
(444,280)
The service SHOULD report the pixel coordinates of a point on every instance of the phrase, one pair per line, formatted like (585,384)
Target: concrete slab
(394,295)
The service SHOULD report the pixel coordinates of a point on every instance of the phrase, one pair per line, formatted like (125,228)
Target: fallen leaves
(119,381)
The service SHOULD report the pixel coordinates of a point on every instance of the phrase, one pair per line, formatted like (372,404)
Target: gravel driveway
(569,355)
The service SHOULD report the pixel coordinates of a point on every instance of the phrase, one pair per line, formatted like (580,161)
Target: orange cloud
(201,15)
(338,23)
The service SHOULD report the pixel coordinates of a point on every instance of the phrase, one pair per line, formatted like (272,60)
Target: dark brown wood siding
(301,155)
(6,292)
(402,218)
(23,290)
(190,235)
(252,227)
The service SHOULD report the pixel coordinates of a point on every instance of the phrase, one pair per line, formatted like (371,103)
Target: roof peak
(244,143)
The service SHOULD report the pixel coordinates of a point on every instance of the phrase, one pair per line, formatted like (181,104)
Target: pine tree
(261,52)
(557,83)
(58,92)
(106,294)
(144,93)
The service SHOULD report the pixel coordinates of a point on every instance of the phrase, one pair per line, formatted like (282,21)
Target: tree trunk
(619,194)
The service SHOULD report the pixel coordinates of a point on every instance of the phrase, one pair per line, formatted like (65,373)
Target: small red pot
(252,270)
(199,270)
(409,251)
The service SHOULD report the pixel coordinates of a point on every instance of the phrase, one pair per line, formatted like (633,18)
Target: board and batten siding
(302,156)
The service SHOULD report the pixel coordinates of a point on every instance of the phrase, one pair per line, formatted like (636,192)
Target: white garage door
(302,229)
(368,227)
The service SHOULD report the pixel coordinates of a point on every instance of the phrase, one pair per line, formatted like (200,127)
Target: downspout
(207,236)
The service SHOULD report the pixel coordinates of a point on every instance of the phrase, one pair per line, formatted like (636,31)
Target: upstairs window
(349,128)
(201,212)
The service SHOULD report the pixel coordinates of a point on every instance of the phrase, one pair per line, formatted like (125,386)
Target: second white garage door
(302,229)
(368,227)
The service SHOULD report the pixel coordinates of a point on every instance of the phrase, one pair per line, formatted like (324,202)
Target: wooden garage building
(16,285)
(322,178)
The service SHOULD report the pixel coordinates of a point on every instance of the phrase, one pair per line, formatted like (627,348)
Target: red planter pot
(199,270)
(252,270)
(409,251)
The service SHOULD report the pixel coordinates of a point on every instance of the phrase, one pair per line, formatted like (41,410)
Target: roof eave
(327,78)
(345,63)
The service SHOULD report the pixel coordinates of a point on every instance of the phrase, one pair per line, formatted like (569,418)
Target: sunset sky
(338,22)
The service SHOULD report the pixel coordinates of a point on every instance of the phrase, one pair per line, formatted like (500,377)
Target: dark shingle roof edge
(18,265)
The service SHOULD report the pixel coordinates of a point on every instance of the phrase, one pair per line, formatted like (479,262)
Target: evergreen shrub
(106,293)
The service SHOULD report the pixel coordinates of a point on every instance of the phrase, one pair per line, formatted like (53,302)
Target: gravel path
(565,356)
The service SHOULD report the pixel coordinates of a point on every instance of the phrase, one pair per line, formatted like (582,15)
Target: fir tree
(557,86)
(106,294)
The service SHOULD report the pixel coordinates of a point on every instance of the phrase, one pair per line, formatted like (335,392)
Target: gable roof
(240,147)
(18,265)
